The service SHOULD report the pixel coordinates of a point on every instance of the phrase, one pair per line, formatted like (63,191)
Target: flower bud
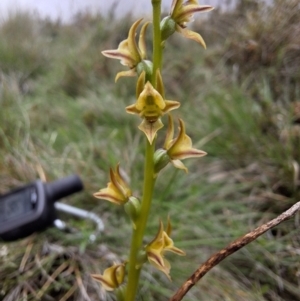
(167,27)
(141,258)
(133,208)
(120,293)
(161,160)
(146,66)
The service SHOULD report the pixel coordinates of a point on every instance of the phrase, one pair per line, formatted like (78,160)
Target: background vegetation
(61,113)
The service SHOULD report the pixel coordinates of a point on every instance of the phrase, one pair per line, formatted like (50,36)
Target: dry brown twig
(230,249)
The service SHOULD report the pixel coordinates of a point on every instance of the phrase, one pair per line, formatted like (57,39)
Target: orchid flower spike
(129,52)
(117,191)
(156,249)
(112,277)
(181,147)
(182,13)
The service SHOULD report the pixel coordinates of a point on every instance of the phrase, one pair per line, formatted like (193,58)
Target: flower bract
(181,147)
(117,191)
(112,277)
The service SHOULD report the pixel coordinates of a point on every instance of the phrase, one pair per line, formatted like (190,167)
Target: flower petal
(142,43)
(155,258)
(188,153)
(122,54)
(171,105)
(112,277)
(106,283)
(160,263)
(170,133)
(120,273)
(120,183)
(176,6)
(187,11)
(159,84)
(110,194)
(140,84)
(132,109)
(189,34)
(128,73)
(169,246)
(178,164)
(157,242)
(150,97)
(169,226)
(189,2)
(150,128)
(132,47)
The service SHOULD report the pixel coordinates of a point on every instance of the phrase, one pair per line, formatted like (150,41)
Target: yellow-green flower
(181,14)
(181,147)
(160,244)
(117,191)
(112,277)
(128,51)
(150,106)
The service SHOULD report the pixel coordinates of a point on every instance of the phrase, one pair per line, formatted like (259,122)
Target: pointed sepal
(150,128)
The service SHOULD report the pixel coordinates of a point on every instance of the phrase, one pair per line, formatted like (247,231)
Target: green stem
(149,179)
(138,233)
(157,49)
